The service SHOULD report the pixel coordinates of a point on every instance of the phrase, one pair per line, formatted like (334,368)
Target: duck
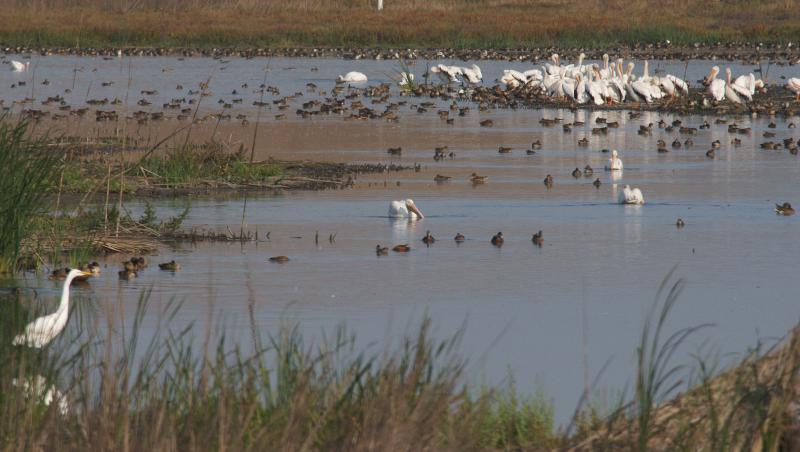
(440,178)
(630,195)
(174,266)
(497,239)
(538,238)
(614,163)
(679,224)
(597,183)
(401,248)
(428,239)
(548,181)
(59,273)
(588,171)
(576,173)
(129,266)
(126,274)
(405,209)
(476,179)
(139,263)
(786,209)
(504,150)
(352,77)
(459,238)
(381,250)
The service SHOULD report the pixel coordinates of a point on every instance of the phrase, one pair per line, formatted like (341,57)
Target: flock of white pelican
(613,82)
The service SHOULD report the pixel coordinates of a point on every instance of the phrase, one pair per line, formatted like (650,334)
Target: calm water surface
(538,313)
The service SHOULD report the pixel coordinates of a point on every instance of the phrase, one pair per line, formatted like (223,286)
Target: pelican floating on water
(614,163)
(716,87)
(351,77)
(18,66)
(43,330)
(405,209)
(630,195)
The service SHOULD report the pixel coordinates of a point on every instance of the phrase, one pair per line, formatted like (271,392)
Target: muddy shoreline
(733,51)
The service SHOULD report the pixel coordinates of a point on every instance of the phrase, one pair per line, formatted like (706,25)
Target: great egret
(38,389)
(44,329)
(405,209)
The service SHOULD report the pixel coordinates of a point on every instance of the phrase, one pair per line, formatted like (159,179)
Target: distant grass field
(403,23)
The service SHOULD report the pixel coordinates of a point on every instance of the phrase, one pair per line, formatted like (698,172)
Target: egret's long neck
(64,305)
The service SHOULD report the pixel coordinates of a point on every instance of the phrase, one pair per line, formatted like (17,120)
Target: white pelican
(596,87)
(351,77)
(44,329)
(730,93)
(406,78)
(614,163)
(405,209)
(793,85)
(533,74)
(472,73)
(581,90)
(512,78)
(555,68)
(18,66)
(680,85)
(716,87)
(630,195)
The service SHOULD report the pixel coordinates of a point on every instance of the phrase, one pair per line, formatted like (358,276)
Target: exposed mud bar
(735,51)
(773,101)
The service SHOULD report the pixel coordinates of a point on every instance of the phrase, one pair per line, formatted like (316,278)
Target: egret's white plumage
(44,329)
(37,388)
(405,209)
(352,77)
(630,195)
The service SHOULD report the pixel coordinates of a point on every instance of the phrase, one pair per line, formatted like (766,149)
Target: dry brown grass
(441,23)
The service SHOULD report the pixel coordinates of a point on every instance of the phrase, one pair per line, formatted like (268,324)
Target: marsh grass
(29,173)
(403,23)
(174,387)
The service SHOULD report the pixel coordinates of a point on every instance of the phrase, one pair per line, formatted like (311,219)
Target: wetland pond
(547,315)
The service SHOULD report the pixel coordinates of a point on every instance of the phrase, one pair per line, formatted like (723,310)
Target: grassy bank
(403,23)
(173,387)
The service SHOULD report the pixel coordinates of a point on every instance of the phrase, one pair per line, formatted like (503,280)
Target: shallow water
(127,77)
(539,313)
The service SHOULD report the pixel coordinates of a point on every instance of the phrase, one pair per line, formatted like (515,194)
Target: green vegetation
(29,172)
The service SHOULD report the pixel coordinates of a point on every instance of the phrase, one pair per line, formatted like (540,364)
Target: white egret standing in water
(43,330)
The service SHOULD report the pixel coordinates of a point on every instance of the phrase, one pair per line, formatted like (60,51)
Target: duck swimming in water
(428,239)
(497,239)
(538,239)
(785,209)
(459,238)
(401,248)
(679,224)
(174,266)
(548,181)
(381,250)
(278,259)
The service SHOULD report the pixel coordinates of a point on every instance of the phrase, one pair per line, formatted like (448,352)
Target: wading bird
(44,329)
